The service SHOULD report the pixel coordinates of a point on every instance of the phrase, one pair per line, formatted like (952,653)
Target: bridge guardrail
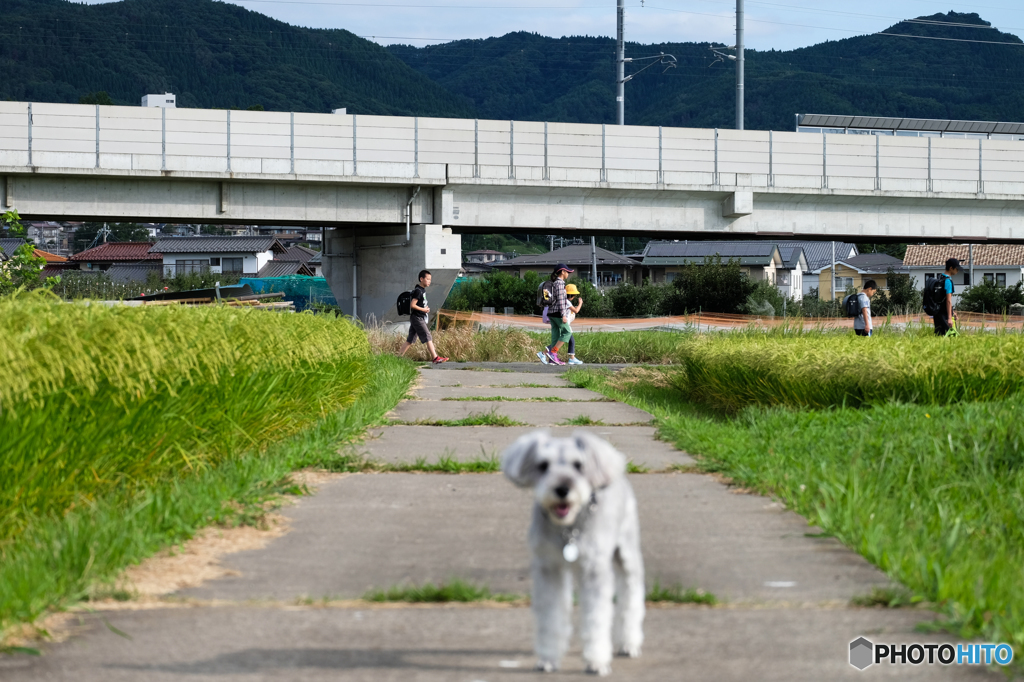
(251,144)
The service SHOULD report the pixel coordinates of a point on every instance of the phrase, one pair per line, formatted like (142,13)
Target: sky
(774,24)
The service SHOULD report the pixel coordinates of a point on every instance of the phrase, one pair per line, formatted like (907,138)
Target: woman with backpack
(558,316)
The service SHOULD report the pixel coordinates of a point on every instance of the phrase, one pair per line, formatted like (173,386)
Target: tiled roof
(50,257)
(118,251)
(10,244)
(935,255)
(300,253)
(674,253)
(791,257)
(283,268)
(133,272)
(819,254)
(874,262)
(218,244)
(577,254)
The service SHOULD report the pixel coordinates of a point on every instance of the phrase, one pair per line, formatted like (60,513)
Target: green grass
(65,554)
(451,591)
(447,464)
(583,420)
(676,594)
(932,494)
(501,399)
(474,419)
(893,597)
(632,468)
(730,372)
(527,385)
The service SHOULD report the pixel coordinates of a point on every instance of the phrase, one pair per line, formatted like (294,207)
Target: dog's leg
(552,610)
(597,589)
(631,597)
(621,589)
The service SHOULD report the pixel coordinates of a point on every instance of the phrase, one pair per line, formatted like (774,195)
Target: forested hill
(211,54)
(216,54)
(527,76)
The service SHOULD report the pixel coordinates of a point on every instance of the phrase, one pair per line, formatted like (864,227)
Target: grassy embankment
(909,450)
(128,429)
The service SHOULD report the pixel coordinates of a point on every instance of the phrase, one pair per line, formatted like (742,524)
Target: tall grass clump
(98,399)
(729,372)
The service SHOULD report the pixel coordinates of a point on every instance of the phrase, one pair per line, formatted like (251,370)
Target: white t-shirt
(865,304)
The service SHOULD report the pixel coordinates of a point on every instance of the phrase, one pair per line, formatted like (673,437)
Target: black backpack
(934,295)
(851,305)
(544,293)
(404,303)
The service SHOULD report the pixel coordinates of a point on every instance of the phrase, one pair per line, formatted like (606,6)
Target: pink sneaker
(553,356)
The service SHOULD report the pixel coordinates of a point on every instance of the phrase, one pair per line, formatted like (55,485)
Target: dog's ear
(604,464)
(519,461)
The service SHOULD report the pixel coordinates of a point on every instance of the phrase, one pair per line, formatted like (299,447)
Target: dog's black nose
(562,491)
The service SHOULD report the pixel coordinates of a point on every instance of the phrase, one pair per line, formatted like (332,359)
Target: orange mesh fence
(710,321)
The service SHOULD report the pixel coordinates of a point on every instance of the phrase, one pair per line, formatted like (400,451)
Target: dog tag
(571,552)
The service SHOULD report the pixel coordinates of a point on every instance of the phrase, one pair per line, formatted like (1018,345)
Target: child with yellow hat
(574,309)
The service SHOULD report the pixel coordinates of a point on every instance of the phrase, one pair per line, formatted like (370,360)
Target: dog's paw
(601,670)
(630,651)
(546,667)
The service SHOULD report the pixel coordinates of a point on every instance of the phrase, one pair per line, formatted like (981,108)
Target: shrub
(498,290)
(595,303)
(627,300)
(766,299)
(713,287)
(988,297)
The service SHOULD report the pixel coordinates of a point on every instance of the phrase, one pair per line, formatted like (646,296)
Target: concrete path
(785,588)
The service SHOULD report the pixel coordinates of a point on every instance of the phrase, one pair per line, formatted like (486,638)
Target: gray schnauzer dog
(585,526)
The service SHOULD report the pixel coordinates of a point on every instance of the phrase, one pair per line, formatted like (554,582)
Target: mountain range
(219,55)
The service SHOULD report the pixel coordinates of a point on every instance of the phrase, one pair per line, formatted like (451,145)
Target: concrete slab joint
(738,204)
(222,198)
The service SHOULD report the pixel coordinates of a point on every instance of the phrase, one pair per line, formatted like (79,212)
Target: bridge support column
(384,268)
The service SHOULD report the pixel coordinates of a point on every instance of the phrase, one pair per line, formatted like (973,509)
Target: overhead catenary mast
(739,65)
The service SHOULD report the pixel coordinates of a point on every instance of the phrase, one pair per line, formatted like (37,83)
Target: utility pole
(620,63)
(739,64)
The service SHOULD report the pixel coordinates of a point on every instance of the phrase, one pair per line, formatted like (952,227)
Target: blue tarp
(299,289)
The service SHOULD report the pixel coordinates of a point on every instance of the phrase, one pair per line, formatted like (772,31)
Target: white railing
(142,141)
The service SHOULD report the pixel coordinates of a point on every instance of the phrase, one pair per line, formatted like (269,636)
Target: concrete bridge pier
(367,267)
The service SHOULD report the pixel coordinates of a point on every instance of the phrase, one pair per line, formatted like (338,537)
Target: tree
(713,287)
(10,225)
(989,297)
(100,97)
(22,270)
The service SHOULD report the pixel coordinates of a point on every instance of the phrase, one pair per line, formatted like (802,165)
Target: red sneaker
(438,360)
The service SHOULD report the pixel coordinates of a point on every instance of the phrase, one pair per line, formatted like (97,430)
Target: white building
(164,101)
(1002,264)
(237,255)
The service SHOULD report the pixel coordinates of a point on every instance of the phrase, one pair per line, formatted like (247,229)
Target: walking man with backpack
(558,316)
(938,298)
(862,321)
(418,319)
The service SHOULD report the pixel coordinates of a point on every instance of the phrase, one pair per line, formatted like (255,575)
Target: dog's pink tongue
(562,510)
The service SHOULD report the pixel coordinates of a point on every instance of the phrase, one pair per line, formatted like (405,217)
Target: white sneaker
(543,357)
(574,361)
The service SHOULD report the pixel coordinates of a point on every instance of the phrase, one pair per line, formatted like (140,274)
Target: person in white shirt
(862,323)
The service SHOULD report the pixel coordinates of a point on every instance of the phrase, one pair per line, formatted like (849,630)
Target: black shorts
(940,326)
(860,332)
(418,327)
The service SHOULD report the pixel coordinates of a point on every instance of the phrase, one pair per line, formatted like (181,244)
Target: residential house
(474,270)
(611,267)
(818,255)
(55,264)
(789,278)
(285,268)
(243,256)
(315,263)
(853,272)
(1001,264)
(116,255)
(8,245)
(482,256)
(757,259)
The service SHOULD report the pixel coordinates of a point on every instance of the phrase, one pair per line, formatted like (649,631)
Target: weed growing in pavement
(582,420)
(491,418)
(448,464)
(452,591)
(632,468)
(892,597)
(527,385)
(932,494)
(502,399)
(676,594)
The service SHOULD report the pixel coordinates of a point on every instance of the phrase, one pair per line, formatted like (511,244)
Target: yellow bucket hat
(571,290)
